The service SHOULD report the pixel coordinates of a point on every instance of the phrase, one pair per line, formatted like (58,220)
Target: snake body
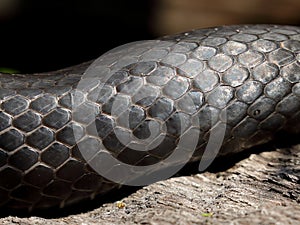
(245,79)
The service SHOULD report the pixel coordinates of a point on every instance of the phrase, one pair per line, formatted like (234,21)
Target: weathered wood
(261,189)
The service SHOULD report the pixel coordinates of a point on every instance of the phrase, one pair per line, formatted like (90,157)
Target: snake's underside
(56,133)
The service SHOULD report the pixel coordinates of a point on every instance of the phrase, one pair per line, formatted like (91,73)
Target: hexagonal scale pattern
(54,128)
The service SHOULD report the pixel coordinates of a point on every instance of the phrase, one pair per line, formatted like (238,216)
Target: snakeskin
(248,74)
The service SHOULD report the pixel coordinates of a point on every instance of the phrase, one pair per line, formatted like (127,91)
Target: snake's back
(55,133)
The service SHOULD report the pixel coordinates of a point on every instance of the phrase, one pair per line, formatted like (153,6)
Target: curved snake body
(245,79)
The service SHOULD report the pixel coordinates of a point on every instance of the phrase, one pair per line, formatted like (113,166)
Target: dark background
(45,35)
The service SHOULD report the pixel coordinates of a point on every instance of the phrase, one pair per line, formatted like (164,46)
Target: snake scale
(59,129)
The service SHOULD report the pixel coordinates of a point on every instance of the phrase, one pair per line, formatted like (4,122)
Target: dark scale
(5,120)
(40,138)
(70,134)
(142,131)
(28,121)
(55,155)
(11,139)
(161,109)
(261,108)
(43,104)
(15,106)
(277,88)
(85,113)
(57,119)
(72,99)
(23,159)
(160,97)
(102,126)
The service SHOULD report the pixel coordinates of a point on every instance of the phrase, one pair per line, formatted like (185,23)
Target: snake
(144,110)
